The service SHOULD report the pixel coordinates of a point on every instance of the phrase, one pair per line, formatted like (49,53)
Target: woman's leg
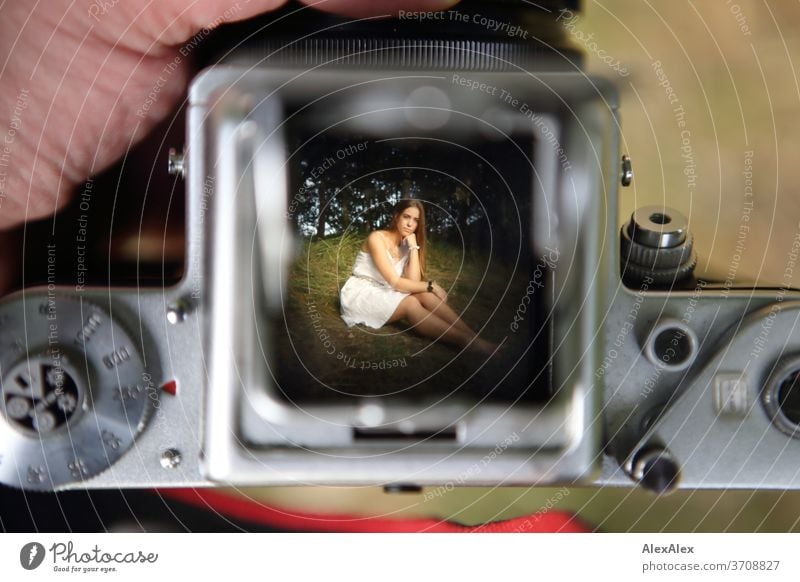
(435,305)
(431,325)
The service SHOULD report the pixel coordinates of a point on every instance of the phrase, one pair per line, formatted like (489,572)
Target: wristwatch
(430,286)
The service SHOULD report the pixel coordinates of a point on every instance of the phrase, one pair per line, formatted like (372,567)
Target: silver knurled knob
(656,244)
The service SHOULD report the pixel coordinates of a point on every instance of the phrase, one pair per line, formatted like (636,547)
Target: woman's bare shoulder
(375,237)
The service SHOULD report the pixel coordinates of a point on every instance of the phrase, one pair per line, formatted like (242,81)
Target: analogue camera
(588,351)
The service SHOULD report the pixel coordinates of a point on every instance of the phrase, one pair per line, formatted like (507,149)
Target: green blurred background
(731,67)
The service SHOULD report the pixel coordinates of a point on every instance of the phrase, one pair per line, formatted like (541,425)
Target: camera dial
(73,391)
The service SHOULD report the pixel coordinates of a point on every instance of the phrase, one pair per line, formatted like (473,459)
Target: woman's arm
(377,250)
(412,270)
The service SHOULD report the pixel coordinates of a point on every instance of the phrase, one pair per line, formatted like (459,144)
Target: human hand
(84,80)
(411,240)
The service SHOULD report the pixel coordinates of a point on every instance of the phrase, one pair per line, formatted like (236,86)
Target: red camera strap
(248,510)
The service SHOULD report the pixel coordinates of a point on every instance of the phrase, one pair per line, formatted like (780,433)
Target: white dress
(366,296)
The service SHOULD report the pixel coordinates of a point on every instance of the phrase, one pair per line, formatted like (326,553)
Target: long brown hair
(420,232)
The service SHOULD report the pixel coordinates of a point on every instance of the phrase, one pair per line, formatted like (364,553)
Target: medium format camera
(611,363)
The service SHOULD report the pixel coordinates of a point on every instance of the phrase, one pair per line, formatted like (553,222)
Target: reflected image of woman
(387,284)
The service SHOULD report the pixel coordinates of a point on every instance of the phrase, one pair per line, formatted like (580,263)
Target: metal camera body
(662,380)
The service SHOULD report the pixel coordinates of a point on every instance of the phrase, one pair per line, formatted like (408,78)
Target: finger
(192,17)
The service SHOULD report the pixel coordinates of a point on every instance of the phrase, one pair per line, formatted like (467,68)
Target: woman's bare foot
(483,346)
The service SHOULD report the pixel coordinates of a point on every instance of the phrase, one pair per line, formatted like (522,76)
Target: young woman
(388,284)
